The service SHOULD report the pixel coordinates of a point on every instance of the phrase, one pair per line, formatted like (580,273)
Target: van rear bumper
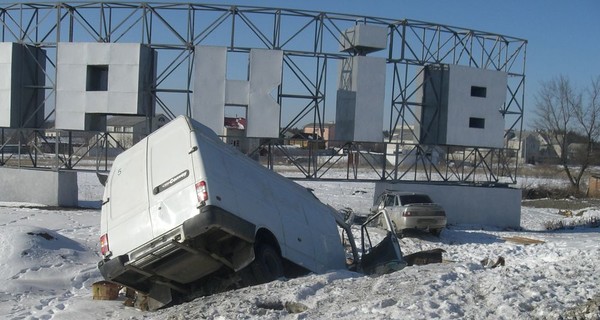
(186,253)
(215,217)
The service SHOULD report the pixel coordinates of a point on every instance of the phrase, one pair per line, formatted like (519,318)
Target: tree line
(568,115)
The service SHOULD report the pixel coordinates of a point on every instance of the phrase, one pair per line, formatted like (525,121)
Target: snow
(49,259)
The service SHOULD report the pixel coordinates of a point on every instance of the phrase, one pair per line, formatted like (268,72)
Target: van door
(128,219)
(172,193)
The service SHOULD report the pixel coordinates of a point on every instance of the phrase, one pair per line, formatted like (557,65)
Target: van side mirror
(102,178)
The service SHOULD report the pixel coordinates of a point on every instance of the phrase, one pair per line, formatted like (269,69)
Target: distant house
(594,187)
(314,132)
(128,130)
(402,147)
(54,143)
(576,149)
(305,140)
(539,147)
(407,134)
(235,134)
(235,123)
(531,147)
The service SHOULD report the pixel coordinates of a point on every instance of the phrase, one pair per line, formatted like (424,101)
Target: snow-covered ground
(49,259)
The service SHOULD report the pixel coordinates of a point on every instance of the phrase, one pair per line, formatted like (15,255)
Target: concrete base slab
(38,186)
(471,205)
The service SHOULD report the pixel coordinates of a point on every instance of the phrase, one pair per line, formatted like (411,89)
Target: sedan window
(414,198)
(390,201)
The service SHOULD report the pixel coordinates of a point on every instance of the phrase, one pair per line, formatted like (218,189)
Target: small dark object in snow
(295,307)
(289,306)
(424,257)
(44,235)
(487,263)
(272,305)
(358,192)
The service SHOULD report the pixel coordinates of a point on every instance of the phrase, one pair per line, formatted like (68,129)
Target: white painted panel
(98,53)
(370,88)
(5,83)
(71,77)
(71,53)
(6,52)
(265,76)
(123,102)
(210,65)
(237,92)
(360,99)
(125,53)
(96,102)
(123,78)
(5,109)
(372,38)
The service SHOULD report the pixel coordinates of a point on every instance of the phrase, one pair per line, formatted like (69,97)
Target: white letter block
(212,92)
(130,68)
(21,75)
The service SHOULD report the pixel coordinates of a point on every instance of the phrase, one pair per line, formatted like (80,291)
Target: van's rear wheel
(267,265)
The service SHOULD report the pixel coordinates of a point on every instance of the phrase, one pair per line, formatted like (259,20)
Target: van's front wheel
(267,265)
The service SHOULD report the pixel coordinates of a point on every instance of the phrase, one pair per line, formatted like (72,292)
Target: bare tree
(563,112)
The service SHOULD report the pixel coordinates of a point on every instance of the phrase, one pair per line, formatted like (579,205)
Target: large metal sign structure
(315,50)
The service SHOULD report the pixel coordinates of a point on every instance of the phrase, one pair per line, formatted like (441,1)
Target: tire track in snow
(26,217)
(25,271)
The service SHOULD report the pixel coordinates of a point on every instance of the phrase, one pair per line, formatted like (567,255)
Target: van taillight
(201,191)
(104,244)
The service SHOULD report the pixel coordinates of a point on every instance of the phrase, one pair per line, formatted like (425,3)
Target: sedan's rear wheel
(436,232)
(399,232)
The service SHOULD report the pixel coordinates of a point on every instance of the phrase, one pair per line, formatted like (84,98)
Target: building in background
(313,131)
(128,130)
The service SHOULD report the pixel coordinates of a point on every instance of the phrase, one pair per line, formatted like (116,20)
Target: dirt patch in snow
(588,310)
(562,204)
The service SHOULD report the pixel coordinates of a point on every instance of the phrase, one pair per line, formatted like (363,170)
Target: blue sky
(562,35)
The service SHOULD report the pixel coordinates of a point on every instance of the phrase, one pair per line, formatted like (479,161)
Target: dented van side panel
(171,190)
(272,201)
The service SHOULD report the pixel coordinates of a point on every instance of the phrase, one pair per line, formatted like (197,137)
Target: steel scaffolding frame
(310,41)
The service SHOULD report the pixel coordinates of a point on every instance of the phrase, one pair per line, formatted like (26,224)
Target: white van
(182,209)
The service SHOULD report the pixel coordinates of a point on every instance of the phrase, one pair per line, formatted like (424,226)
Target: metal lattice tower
(310,42)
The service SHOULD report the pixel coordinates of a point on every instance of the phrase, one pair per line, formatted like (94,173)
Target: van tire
(267,265)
